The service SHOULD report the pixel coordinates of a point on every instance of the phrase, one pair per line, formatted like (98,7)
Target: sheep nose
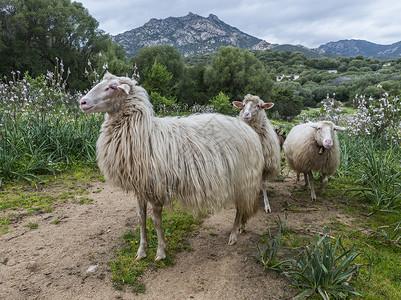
(327,143)
(82,102)
(247,115)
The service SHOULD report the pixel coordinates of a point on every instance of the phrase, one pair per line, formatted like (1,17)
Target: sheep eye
(258,106)
(113,87)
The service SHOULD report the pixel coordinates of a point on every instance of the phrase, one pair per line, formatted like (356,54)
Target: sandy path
(51,262)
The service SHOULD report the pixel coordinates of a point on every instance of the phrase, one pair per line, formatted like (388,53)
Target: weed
(32,225)
(390,233)
(320,269)
(177,225)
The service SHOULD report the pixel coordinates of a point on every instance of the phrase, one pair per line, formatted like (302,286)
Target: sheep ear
(267,105)
(339,128)
(314,125)
(125,88)
(238,104)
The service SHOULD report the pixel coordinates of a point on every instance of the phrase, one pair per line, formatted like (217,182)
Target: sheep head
(325,133)
(250,106)
(106,95)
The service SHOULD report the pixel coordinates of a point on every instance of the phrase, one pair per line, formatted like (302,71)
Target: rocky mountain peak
(191,35)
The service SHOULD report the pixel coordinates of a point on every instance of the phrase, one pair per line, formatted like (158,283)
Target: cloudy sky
(306,22)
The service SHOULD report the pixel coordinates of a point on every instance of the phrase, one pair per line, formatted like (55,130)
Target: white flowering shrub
(377,117)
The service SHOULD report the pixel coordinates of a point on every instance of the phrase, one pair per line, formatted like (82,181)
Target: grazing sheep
(202,161)
(254,115)
(281,136)
(313,147)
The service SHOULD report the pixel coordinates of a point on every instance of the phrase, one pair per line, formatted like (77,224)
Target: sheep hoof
(232,240)
(158,257)
(139,257)
(268,210)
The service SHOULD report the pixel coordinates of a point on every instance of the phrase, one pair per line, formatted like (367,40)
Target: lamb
(202,161)
(313,147)
(254,115)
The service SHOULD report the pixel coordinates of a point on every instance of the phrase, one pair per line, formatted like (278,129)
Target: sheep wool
(313,147)
(253,114)
(202,161)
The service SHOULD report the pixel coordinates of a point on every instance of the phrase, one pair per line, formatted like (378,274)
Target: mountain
(191,35)
(361,47)
(196,35)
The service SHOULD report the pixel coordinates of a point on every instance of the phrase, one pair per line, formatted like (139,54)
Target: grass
(18,201)
(177,225)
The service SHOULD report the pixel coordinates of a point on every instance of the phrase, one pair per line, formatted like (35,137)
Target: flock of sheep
(202,161)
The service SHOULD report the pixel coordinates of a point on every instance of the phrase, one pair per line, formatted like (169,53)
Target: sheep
(313,147)
(252,113)
(202,161)
(281,136)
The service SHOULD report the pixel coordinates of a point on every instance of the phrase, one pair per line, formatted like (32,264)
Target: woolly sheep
(252,113)
(313,147)
(202,161)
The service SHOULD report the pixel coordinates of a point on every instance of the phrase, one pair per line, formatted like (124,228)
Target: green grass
(20,200)
(177,225)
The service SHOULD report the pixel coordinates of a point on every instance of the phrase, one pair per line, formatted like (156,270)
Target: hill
(191,35)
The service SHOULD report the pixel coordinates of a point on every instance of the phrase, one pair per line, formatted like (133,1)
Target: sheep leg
(324,182)
(265,199)
(157,222)
(233,235)
(312,189)
(307,185)
(141,253)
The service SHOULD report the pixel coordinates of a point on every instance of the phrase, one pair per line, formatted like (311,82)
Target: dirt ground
(68,260)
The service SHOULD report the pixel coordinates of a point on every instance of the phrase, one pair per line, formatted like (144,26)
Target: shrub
(321,269)
(222,105)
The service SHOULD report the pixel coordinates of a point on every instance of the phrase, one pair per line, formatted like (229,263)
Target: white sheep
(202,161)
(252,113)
(313,147)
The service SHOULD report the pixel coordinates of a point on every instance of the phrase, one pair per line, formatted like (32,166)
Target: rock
(92,269)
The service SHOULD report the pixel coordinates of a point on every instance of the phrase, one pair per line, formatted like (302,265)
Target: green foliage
(379,176)
(39,32)
(157,79)
(390,233)
(236,73)
(321,269)
(165,55)
(285,103)
(222,105)
(177,225)
(163,105)
(192,88)
(42,129)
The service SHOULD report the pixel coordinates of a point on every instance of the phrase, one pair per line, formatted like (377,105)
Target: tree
(35,33)
(236,73)
(166,55)
(157,79)
(286,104)
(192,88)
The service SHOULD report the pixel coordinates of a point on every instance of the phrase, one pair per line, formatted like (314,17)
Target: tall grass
(42,130)
(374,166)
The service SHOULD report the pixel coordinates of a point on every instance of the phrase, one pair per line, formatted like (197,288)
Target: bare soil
(54,261)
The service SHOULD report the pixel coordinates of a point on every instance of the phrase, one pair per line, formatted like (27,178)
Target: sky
(310,23)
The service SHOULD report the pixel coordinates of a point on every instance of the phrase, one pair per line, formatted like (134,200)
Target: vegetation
(48,60)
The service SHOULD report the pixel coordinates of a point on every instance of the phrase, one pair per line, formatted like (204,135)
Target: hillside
(361,47)
(194,35)
(191,35)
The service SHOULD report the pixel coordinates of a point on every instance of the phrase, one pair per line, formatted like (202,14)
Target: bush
(222,105)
